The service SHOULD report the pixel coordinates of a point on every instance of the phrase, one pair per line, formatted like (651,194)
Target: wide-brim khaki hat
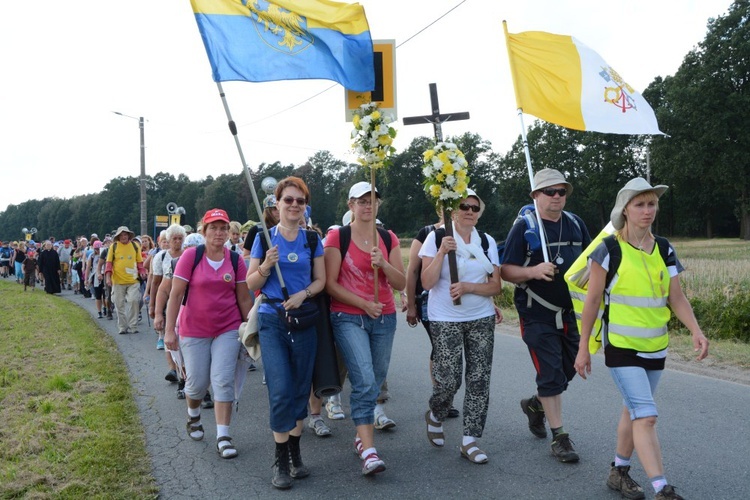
(123,229)
(633,188)
(550,177)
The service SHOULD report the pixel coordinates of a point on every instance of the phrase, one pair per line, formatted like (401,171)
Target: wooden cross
(437,121)
(435,118)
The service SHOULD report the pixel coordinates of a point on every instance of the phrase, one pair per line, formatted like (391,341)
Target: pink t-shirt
(358,276)
(211,307)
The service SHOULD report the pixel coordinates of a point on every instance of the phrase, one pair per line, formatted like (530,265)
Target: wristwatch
(308,293)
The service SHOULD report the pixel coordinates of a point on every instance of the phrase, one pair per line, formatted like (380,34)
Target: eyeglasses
(365,202)
(466,207)
(289,200)
(552,191)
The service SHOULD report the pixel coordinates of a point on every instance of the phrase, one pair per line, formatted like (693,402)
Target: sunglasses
(466,207)
(552,191)
(289,200)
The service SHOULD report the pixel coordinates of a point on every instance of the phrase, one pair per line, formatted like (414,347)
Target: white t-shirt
(440,307)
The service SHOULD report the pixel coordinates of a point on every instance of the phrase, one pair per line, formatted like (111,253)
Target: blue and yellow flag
(260,41)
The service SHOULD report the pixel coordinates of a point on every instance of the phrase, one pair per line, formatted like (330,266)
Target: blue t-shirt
(294,261)
(556,291)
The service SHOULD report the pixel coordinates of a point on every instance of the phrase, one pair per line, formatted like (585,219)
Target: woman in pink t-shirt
(363,328)
(217,302)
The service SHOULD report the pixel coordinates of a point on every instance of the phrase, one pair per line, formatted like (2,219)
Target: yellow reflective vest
(637,313)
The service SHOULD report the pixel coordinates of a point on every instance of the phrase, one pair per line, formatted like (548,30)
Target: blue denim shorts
(365,344)
(637,386)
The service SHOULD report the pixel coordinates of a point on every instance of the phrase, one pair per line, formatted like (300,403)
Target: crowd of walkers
(199,288)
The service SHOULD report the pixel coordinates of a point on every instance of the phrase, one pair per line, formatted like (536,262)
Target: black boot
(281,478)
(297,468)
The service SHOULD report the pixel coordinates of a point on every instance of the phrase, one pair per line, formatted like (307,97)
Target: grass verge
(70,426)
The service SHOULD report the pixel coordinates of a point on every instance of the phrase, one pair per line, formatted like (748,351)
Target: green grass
(70,426)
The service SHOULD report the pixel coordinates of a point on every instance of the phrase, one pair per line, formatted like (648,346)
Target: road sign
(385,82)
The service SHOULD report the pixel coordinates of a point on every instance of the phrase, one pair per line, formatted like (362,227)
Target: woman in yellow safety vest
(634,325)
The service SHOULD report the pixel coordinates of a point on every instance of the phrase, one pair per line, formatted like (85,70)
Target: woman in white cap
(638,275)
(461,330)
(364,329)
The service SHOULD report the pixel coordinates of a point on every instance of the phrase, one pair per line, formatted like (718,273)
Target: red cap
(215,214)
(67,242)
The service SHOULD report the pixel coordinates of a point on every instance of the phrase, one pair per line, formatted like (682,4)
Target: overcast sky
(68,65)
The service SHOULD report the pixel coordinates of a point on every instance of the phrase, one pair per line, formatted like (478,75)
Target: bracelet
(308,293)
(264,275)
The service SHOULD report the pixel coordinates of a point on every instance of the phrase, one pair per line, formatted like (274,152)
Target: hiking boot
(535,412)
(281,478)
(619,480)
(297,469)
(562,449)
(668,492)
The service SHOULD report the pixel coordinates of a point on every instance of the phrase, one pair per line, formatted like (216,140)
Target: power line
(334,85)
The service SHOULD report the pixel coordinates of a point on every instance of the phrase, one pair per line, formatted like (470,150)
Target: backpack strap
(345,238)
(663,247)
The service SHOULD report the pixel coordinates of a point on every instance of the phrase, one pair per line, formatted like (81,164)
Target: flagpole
(527,153)
(249,177)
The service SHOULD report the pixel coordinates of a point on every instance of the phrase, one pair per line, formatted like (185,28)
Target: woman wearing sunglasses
(362,327)
(466,329)
(288,354)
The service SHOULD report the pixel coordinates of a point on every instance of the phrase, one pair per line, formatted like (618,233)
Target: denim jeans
(288,361)
(637,386)
(365,345)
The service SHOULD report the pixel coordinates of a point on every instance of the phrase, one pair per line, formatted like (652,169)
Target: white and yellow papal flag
(562,81)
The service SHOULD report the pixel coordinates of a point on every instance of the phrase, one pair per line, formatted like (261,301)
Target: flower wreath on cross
(445,175)
(373,136)
(445,181)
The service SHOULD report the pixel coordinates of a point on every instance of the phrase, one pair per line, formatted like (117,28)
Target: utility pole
(142,177)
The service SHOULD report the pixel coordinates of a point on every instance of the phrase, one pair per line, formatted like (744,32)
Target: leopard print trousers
(451,339)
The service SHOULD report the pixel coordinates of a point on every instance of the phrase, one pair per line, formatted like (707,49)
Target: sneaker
(668,492)
(535,412)
(321,429)
(334,410)
(101,315)
(619,480)
(180,393)
(171,376)
(207,403)
(562,449)
(372,464)
(160,344)
(382,422)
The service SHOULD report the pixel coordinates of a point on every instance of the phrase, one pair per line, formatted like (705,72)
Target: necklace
(287,227)
(557,258)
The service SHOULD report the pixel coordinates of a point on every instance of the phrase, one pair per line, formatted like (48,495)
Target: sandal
(432,437)
(225,448)
(471,451)
(358,448)
(195,428)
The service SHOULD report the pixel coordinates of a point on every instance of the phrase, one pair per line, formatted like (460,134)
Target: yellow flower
(461,187)
(448,169)
(355,121)
(385,140)
(375,115)
(435,190)
(461,174)
(440,177)
(428,155)
(444,157)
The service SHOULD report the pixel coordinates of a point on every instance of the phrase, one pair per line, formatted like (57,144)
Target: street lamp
(143,171)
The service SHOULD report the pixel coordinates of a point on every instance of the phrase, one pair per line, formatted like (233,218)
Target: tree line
(704,159)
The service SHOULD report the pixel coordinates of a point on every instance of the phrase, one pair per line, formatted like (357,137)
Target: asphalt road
(703,427)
